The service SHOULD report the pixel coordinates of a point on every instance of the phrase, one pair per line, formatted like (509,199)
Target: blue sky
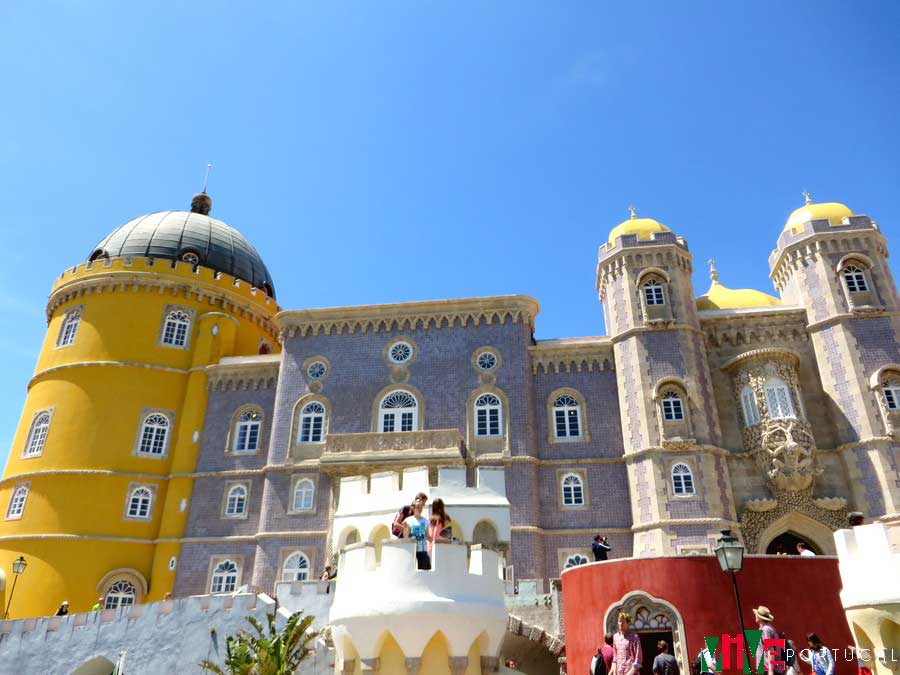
(388,151)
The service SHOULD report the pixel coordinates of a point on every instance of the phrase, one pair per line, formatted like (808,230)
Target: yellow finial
(632,211)
(713,272)
(807,197)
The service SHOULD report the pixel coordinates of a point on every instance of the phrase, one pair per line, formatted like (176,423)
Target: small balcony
(399,448)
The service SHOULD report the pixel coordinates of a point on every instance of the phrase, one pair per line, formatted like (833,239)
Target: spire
(713,272)
(201,203)
(807,197)
(632,211)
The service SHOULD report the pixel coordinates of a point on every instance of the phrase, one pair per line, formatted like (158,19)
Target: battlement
(368,505)
(810,228)
(869,562)
(176,270)
(632,241)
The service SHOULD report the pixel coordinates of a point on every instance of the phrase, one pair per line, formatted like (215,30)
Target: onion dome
(833,212)
(191,236)
(721,297)
(642,227)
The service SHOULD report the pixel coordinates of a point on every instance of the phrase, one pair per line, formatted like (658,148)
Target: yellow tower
(96,488)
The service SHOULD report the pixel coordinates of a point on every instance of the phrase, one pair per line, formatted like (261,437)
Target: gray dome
(172,234)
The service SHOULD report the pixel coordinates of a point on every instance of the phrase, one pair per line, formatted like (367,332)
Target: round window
(401,352)
(316,370)
(173,561)
(190,257)
(486,361)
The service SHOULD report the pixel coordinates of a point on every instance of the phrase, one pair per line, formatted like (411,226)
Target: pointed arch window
(566,417)
(748,404)
(304,495)
(17,503)
(572,490)
(246,436)
(672,407)
(154,435)
(37,435)
(653,293)
(224,577)
(855,278)
(120,594)
(295,568)
(236,502)
(176,328)
(488,415)
(69,328)
(682,480)
(778,399)
(398,412)
(312,423)
(139,503)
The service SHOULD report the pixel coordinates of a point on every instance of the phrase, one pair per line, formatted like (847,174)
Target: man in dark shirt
(601,548)
(664,663)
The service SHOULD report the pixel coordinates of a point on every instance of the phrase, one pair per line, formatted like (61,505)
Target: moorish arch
(651,614)
(819,535)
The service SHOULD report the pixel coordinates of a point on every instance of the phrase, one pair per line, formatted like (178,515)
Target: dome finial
(713,272)
(807,197)
(632,211)
(201,203)
(206,180)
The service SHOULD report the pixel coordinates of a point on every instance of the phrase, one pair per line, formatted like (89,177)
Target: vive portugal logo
(733,650)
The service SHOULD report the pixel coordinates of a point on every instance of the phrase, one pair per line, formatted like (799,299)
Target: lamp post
(730,554)
(18,566)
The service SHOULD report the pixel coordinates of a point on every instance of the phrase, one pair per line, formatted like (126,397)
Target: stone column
(458,664)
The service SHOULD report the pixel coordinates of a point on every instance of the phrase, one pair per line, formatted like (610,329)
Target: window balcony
(398,448)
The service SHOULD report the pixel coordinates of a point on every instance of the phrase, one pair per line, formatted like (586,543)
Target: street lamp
(730,554)
(19,566)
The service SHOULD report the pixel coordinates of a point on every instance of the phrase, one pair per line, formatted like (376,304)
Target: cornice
(99,364)
(408,316)
(531,529)
(576,355)
(765,353)
(860,313)
(257,374)
(676,522)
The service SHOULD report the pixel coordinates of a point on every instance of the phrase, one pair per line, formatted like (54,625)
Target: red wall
(802,593)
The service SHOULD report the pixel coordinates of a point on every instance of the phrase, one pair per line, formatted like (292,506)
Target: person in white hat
(63,609)
(764,619)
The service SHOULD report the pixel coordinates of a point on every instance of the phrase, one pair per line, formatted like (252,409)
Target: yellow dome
(721,297)
(642,227)
(833,212)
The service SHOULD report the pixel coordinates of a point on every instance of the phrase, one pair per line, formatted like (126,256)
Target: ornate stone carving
(831,503)
(754,523)
(761,505)
(787,454)
(396,448)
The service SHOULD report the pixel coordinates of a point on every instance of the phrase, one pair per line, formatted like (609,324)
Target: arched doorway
(818,535)
(653,620)
(786,542)
(485,534)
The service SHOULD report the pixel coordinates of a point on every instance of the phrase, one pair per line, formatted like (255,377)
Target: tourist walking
(627,647)
(601,548)
(804,550)
(765,619)
(601,664)
(790,656)
(818,656)
(440,526)
(416,527)
(63,609)
(664,663)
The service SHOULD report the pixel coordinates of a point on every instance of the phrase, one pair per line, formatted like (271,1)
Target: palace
(182,433)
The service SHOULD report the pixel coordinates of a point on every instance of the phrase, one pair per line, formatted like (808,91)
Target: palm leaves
(267,652)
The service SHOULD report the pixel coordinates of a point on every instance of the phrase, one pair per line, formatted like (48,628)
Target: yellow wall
(73,531)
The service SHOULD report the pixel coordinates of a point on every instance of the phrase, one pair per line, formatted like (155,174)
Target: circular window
(316,370)
(400,352)
(173,561)
(486,361)
(190,257)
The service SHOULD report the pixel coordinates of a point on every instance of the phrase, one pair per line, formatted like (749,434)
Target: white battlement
(869,562)
(367,505)
(461,598)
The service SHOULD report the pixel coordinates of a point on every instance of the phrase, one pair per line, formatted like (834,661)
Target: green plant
(268,651)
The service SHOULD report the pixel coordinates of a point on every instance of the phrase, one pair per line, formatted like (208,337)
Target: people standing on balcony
(601,548)
(440,526)
(416,527)
(63,609)
(397,526)
(805,550)
(627,646)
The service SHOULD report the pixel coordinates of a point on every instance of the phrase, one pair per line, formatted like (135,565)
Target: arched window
(295,568)
(69,328)
(572,490)
(120,594)
(488,419)
(682,480)
(37,435)
(575,561)
(17,503)
(246,436)
(176,328)
(748,403)
(312,423)
(855,278)
(672,407)
(891,390)
(154,434)
(224,577)
(398,412)
(236,503)
(566,417)
(304,494)
(139,503)
(778,399)
(653,293)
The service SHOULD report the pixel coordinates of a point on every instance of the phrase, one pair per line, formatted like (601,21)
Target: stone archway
(649,613)
(820,535)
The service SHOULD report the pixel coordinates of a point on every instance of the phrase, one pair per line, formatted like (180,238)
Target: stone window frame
(310,380)
(883,378)
(226,493)
(749,406)
(132,576)
(864,266)
(655,313)
(31,429)
(774,383)
(310,449)
(549,406)
(129,494)
(17,488)
(215,561)
(170,434)
(418,418)
(295,480)
(692,472)
(231,438)
(486,349)
(487,444)
(286,552)
(669,429)
(192,320)
(386,352)
(63,327)
(581,474)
